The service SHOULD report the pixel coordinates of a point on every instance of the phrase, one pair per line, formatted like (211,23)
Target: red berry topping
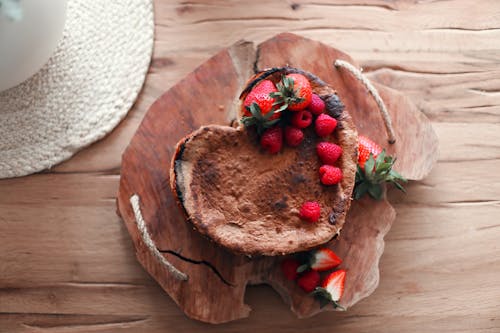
(302,92)
(301,119)
(330,175)
(317,105)
(328,152)
(289,267)
(365,148)
(324,259)
(310,211)
(260,95)
(272,139)
(334,284)
(308,281)
(332,289)
(325,125)
(293,136)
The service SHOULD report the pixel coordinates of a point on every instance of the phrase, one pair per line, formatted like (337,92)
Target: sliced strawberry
(334,284)
(321,260)
(331,289)
(324,259)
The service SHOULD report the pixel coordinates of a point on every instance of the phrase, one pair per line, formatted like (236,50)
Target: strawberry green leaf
(399,186)
(286,94)
(282,107)
(255,110)
(324,298)
(271,123)
(269,115)
(376,172)
(261,122)
(376,191)
(360,190)
(370,165)
(381,158)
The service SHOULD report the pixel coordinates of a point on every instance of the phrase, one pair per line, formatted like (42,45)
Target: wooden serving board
(215,289)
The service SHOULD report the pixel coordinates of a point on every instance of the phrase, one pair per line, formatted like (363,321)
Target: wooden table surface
(67,263)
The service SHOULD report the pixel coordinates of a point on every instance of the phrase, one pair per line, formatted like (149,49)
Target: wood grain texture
(67,263)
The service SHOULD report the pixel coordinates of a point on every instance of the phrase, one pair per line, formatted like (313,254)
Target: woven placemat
(85,89)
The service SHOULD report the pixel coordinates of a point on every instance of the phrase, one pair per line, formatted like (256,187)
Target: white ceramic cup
(26,45)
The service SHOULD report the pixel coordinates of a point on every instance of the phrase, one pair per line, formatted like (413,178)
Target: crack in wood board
(199,262)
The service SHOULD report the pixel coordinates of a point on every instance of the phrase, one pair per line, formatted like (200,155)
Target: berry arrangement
(280,113)
(306,269)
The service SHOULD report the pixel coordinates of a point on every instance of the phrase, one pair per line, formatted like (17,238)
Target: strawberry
(260,95)
(289,267)
(294,92)
(310,211)
(272,139)
(374,169)
(332,289)
(317,105)
(365,148)
(328,152)
(301,119)
(330,175)
(325,125)
(293,136)
(308,281)
(321,260)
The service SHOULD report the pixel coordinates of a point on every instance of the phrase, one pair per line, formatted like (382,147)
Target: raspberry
(272,140)
(289,268)
(328,152)
(317,105)
(325,125)
(301,119)
(330,175)
(310,211)
(308,281)
(293,136)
